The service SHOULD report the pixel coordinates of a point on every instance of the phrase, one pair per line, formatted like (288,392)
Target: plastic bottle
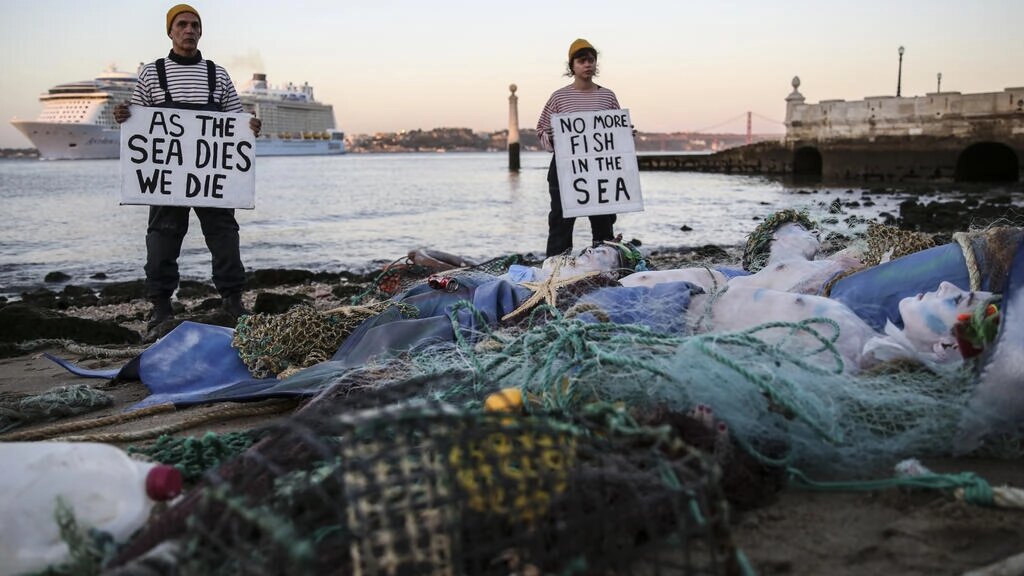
(105,488)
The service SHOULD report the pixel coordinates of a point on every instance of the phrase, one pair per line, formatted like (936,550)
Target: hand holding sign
(174,157)
(595,157)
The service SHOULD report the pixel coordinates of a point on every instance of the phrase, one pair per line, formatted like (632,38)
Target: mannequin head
(793,240)
(609,257)
(602,258)
(928,318)
(759,242)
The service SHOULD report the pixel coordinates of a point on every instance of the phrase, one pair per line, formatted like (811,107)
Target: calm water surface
(358,211)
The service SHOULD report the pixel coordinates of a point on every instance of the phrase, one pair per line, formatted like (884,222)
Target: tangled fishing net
(771,392)
(372,484)
(62,401)
(624,449)
(282,344)
(886,243)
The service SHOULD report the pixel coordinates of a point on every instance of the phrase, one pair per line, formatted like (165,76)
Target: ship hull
(93,142)
(71,141)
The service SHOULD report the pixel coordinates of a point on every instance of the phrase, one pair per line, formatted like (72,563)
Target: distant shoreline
(442,140)
(18,153)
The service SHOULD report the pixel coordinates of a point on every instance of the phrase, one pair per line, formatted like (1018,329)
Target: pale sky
(391,65)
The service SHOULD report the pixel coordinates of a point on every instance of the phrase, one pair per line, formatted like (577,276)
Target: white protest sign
(596,162)
(172,157)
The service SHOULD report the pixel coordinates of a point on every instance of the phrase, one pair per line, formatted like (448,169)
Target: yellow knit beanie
(577,45)
(179,9)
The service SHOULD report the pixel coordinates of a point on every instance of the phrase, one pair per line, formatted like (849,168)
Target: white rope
(964,240)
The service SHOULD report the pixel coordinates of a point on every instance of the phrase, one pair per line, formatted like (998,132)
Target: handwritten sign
(172,157)
(596,162)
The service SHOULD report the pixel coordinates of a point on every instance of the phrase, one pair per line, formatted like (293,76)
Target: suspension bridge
(734,125)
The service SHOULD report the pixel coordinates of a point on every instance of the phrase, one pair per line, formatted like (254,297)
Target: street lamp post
(938,85)
(899,75)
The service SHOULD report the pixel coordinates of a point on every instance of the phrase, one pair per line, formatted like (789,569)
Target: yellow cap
(576,46)
(179,9)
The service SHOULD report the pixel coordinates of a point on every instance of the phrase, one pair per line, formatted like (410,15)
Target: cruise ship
(294,123)
(77,120)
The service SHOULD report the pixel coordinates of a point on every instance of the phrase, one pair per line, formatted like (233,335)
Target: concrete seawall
(886,159)
(944,136)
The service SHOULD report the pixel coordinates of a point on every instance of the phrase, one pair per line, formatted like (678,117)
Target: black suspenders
(211,79)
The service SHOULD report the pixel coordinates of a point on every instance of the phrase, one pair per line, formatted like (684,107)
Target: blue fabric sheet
(874,294)
(195,363)
(192,362)
(83,372)
(391,332)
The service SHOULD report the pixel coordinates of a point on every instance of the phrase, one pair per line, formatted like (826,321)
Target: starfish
(546,290)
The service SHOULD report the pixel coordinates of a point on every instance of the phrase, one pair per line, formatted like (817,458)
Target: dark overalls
(560,229)
(168,225)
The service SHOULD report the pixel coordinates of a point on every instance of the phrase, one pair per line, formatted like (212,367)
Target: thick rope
(580,309)
(77,348)
(229,413)
(55,430)
(964,240)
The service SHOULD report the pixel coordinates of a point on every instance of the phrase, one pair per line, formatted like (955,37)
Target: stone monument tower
(513,129)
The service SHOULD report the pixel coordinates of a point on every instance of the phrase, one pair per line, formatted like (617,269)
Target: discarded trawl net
(424,488)
(621,447)
(783,401)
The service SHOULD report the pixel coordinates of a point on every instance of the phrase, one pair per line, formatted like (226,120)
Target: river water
(358,211)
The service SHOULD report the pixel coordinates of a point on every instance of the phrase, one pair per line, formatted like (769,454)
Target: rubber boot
(160,313)
(231,304)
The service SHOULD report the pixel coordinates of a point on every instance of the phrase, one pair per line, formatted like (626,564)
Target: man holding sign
(590,153)
(185,81)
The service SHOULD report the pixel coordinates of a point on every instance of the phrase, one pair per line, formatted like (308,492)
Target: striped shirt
(187,84)
(568,100)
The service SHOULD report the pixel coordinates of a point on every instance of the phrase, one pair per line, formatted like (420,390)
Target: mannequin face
(792,240)
(930,317)
(603,258)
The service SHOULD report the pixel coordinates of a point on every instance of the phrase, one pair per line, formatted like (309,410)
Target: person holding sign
(184,80)
(583,95)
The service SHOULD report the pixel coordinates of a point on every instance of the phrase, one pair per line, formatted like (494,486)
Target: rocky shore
(115,314)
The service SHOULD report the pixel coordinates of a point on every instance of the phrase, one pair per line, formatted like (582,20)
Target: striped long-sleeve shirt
(187,84)
(569,99)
